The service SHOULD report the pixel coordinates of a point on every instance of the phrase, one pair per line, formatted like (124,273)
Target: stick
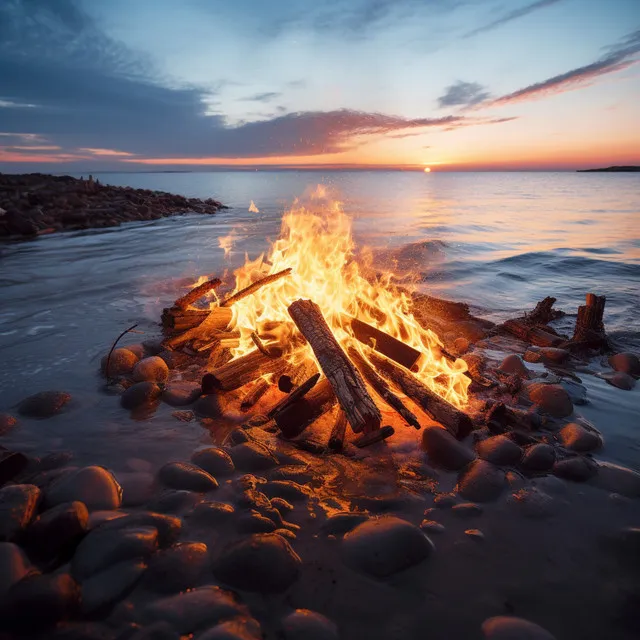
(336,439)
(295,395)
(113,346)
(367,439)
(360,409)
(196,293)
(533,335)
(293,420)
(262,348)
(287,382)
(254,394)
(242,370)
(252,288)
(218,319)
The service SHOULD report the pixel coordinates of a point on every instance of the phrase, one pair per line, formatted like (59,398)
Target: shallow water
(498,241)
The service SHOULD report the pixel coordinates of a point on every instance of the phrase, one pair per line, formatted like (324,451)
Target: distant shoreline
(614,169)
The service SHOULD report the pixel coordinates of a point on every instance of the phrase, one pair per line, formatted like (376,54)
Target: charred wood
(252,288)
(538,336)
(287,382)
(242,370)
(367,439)
(336,439)
(196,293)
(254,394)
(295,395)
(218,319)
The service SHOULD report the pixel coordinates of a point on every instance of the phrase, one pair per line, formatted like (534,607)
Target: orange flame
(253,208)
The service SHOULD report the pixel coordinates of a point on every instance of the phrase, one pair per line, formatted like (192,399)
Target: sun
(427,169)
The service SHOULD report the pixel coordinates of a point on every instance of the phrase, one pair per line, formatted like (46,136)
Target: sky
(130,85)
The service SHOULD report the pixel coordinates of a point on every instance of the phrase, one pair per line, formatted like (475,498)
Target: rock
(264,562)
(297,473)
(444,450)
(137,487)
(516,481)
(14,566)
(386,545)
(431,526)
(151,369)
(539,457)
(18,504)
(467,509)
(121,363)
(577,391)
(138,349)
(286,489)
(575,437)
(237,629)
(626,363)
(254,523)
(214,460)
(211,513)
(154,631)
(7,423)
(139,395)
(210,406)
(177,568)
(95,486)
(58,529)
(533,503)
(182,475)
(340,523)
(168,527)
(618,479)
(181,394)
(499,450)
(152,347)
(445,500)
(303,624)
(621,380)
(578,469)
(196,609)
(252,456)
(105,547)
(237,436)
(511,628)
(98,518)
(11,464)
(553,354)
(104,589)
(481,481)
(175,502)
(513,365)
(281,505)
(551,399)
(475,534)
(44,404)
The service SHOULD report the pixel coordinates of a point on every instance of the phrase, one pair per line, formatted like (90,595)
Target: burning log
(196,293)
(589,331)
(367,439)
(531,334)
(336,439)
(224,339)
(295,395)
(252,288)
(242,370)
(219,319)
(361,411)
(287,382)
(381,387)
(293,420)
(174,318)
(455,421)
(254,394)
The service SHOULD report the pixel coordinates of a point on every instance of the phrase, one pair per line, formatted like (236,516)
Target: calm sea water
(498,241)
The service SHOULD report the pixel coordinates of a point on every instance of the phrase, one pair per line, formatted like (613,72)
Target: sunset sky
(451,84)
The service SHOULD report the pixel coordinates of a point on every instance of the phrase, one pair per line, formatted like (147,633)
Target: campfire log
(254,394)
(252,288)
(242,370)
(219,319)
(367,439)
(381,387)
(531,334)
(293,420)
(589,331)
(360,409)
(174,318)
(336,439)
(455,421)
(287,382)
(295,395)
(224,339)
(196,293)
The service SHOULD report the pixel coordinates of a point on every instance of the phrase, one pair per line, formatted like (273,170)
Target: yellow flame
(253,208)
(226,243)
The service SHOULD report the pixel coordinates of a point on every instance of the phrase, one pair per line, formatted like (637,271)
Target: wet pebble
(121,362)
(445,500)
(513,364)
(626,363)
(211,513)
(151,369)
(236,629)
(539,457)
(512,628)
(551,399)
(252,456)
(168,527)
(553,354)
(621,380)
(254,523)
(182,475)
(297,473)
(340,523)
(57,529)
(576,437)
(174,502)
(237,436)
(515,480)
(210,406)
(94,486)
(154,631)
(286,489)
(14,566)
(475,534)
(181,394)
(214,460)
(177,568)
(12,463)
(98,518)
(44,404)
(467,509)
(7,423)
(303,624)
(139,395)
(444,450)
(619,479)
(578,469)
(499,450)
(104,589)
(281,505)
(18,504)
(137,487)
(481,481)
(431,526)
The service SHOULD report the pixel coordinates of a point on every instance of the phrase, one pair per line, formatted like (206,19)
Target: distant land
(615,169)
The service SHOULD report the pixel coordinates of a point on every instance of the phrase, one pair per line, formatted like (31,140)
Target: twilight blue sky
(136,84)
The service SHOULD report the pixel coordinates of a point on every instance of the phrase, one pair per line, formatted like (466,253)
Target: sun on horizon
(427,169)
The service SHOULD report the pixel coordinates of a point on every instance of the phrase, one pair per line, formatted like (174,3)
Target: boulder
(444,450)
(340,523)
(512,628)
(11,464)
(626,363)
(174,502)
(211,513)
(384,546)
(552,399)
(481,481)
(18,504)
(137,487)
(621,380)
(539,457)
(182,475)
(169,527)
(236,629)
(214,460)
(499,450)
(252,456)
(177,568)
(578,469)
(576,437)
(121,362)
(210,406)
(44,404)
(139,395)
(14,566)
(303,624)
(513,365)
(151,369)
(106,588)
(94,486)
(181,394)
(286,489)
(7,423)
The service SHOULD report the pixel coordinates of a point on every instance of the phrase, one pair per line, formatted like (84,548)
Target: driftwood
(544,312)
(535,335)
(381,387)
(241,371)
(218,319)
(252,288)
(455,421)
(367,439)
(589,331)
(360,409)
(254,394)
(296,394)
(293,420)
(336,439)
(196,293)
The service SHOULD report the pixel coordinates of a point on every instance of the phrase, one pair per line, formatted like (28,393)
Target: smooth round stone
(214,460)
(11,465)
(98,518)
(44,404)
(577,469)
(104,589)
(577,391)
(137,349)
(182,475)
(533,503)
(7,423)
(151,369)
(552,399)
(575,437)
(386,545)
(539,457)
(121,362)
(252,456)
(174,502)
(264,562)
(286,489)
(210,406)
(137,487)
(482,481)
(237,436)
(168,527)
(58,528)
(139,395)
(154,631)
(211,513)
(177,568)
(513,365)
(618,479)
(18,504)
(95,486)
(431,526)
(626,363)
(303,624)
(254,523)
(152,347)
(467,509)
(238,629)
(512,628)
(499,450)
(340,523)
(475,534)
(282,505)
(553,354)
(444,450)
(14,566)
(621,380)
(181,394)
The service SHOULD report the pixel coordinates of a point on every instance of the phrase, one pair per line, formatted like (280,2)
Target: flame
(253,208)
(316,243)
(226,243)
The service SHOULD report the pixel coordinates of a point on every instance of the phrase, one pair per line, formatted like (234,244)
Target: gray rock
(578,469)
(618,479)
(104,589)
(168,527)
(386,545)
(513,364)
(254,523)
(181,394)
(237,629)
(214,460)
(621,380)
(252,456)
(121,362)
(444,450)
(539,457)
(18,504)
(576,437)
(264,562)
(7,423)
(482,481)
(14,566)
(626,363)
(210,406)
(139,395)
(303,624)
(94,486)
(551,399)
(286,489)
(182,475)
(177,568)
(57,529)
(211,513)
(44,404)
(511,628)
(151,369)
(340,523)
(499,450)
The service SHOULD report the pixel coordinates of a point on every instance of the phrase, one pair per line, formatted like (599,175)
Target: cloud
(510,16)
(463,93)
(263,97)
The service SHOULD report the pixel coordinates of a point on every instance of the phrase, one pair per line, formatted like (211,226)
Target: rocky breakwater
(37,204)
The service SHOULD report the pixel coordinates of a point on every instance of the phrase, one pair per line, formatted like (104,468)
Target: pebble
(237,436)
(236,629)
(619,479)
(18,504)
(516,481)
(621,380)
(481,482)
(552,399)
(445,500)
(578,469)
(210,406)
(152,347)
(94,486)
(626,363)
(252,456)
(499,450)
(151,369)
(168,527)
(431,526)
(182,475)
(177,568)
(254,523)
(286,489)
(7,423)
(104,589)
(214,460)
(174,502)
(512,628)
(553,354)
(513,364)
(181,394)
(386,545)
(153,631)
(340,523)
(194,610)
(98,518)
(139,395)
(211,513)
(303,624)
(575,437)
(539,457)
(467,509)
(11,464)
(14,566)
(138,349)
(121,362)
(475,534)
(281,504)
(105,547)
(44,404)
(264,562)
(444,450)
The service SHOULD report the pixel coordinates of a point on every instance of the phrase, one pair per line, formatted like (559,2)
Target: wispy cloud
(267,96)
(463,94)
